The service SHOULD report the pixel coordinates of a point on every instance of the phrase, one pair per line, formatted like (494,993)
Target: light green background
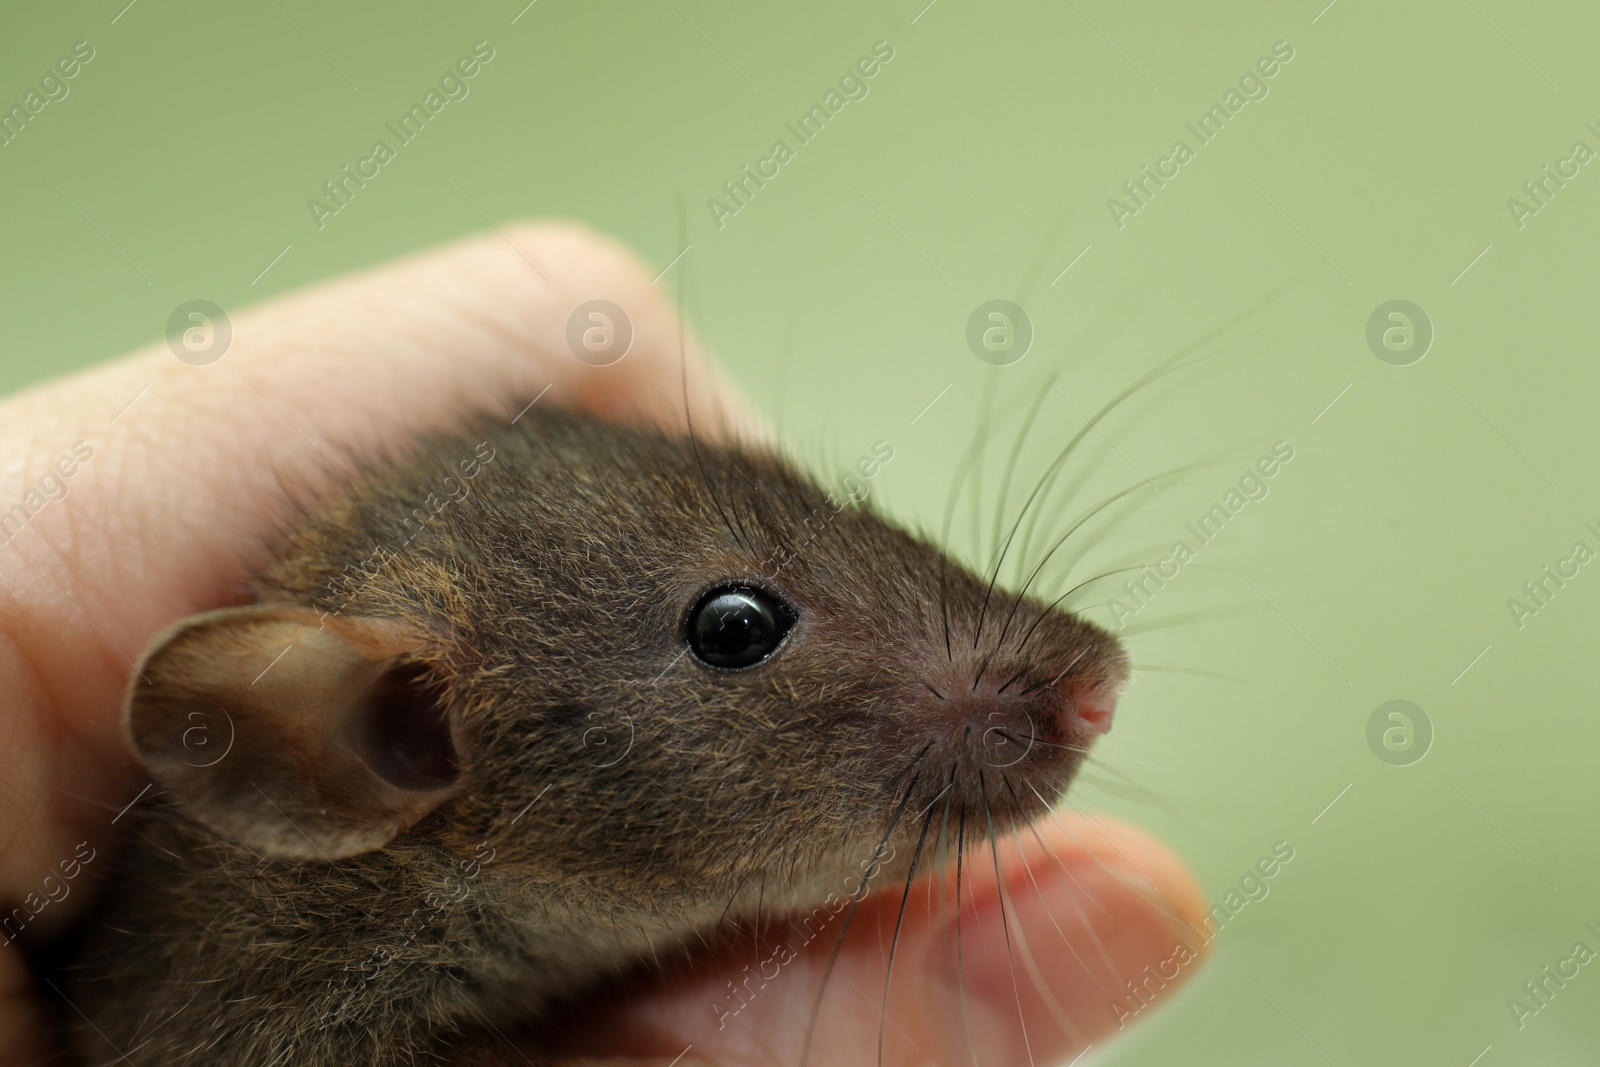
(1378,167)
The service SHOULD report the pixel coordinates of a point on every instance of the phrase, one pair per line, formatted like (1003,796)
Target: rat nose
(996,720)
(1093,704)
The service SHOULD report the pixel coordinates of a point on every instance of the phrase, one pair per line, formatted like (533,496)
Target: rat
(531,705)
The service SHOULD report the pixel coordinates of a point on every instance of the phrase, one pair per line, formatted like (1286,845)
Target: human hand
(148,484)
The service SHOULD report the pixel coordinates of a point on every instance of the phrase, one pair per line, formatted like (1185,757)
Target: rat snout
(1004,743)
(1012,718)
(1036,694)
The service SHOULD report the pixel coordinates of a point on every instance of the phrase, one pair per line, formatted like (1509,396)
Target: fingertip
(1139,857)
(661,376)
(1097,920)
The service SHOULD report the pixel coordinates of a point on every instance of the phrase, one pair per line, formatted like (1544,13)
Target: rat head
(645,671)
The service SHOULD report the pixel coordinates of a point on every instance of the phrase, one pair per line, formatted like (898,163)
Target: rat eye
(738,627)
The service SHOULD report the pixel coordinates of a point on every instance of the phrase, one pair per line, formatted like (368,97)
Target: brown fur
(544,604)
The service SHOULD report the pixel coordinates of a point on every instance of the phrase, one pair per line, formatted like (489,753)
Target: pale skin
(165,518)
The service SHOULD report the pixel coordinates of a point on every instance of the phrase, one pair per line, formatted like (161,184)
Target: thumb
(1089,923)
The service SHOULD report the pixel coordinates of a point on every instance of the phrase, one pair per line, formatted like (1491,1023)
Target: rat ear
(298,735)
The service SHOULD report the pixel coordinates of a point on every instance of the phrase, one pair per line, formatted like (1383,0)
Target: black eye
(738,627)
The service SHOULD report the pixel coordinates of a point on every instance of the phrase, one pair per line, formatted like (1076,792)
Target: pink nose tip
(1093,705)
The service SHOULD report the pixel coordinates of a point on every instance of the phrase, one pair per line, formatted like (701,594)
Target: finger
(1037,973)
(197,456)
(182,468)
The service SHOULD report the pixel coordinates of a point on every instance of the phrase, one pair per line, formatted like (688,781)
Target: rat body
(544,701)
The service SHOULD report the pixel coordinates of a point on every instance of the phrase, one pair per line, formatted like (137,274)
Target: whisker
(1167,365)
(944,845)
(964,467)
(1057,1011)
(1171,363)
(908,768)
(1138,791)
(1011,681)
(894,942)
(1099,759)
(1140,668)
(1095,512)
(1074,528)
(1207,615)
(944,606)
(972,465)
(1083,916)
(948,788)
(1102,576)
(1005,925)
(1084,919)
(1036,269)
(688,413)
(1036,686)
(961,984)
(1033,740)
(731,898)
(1140,566)
(991,386)
(860,894)
(1000,507)
(1089,754)
(1016,454)
(761,901)
(1109,831)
